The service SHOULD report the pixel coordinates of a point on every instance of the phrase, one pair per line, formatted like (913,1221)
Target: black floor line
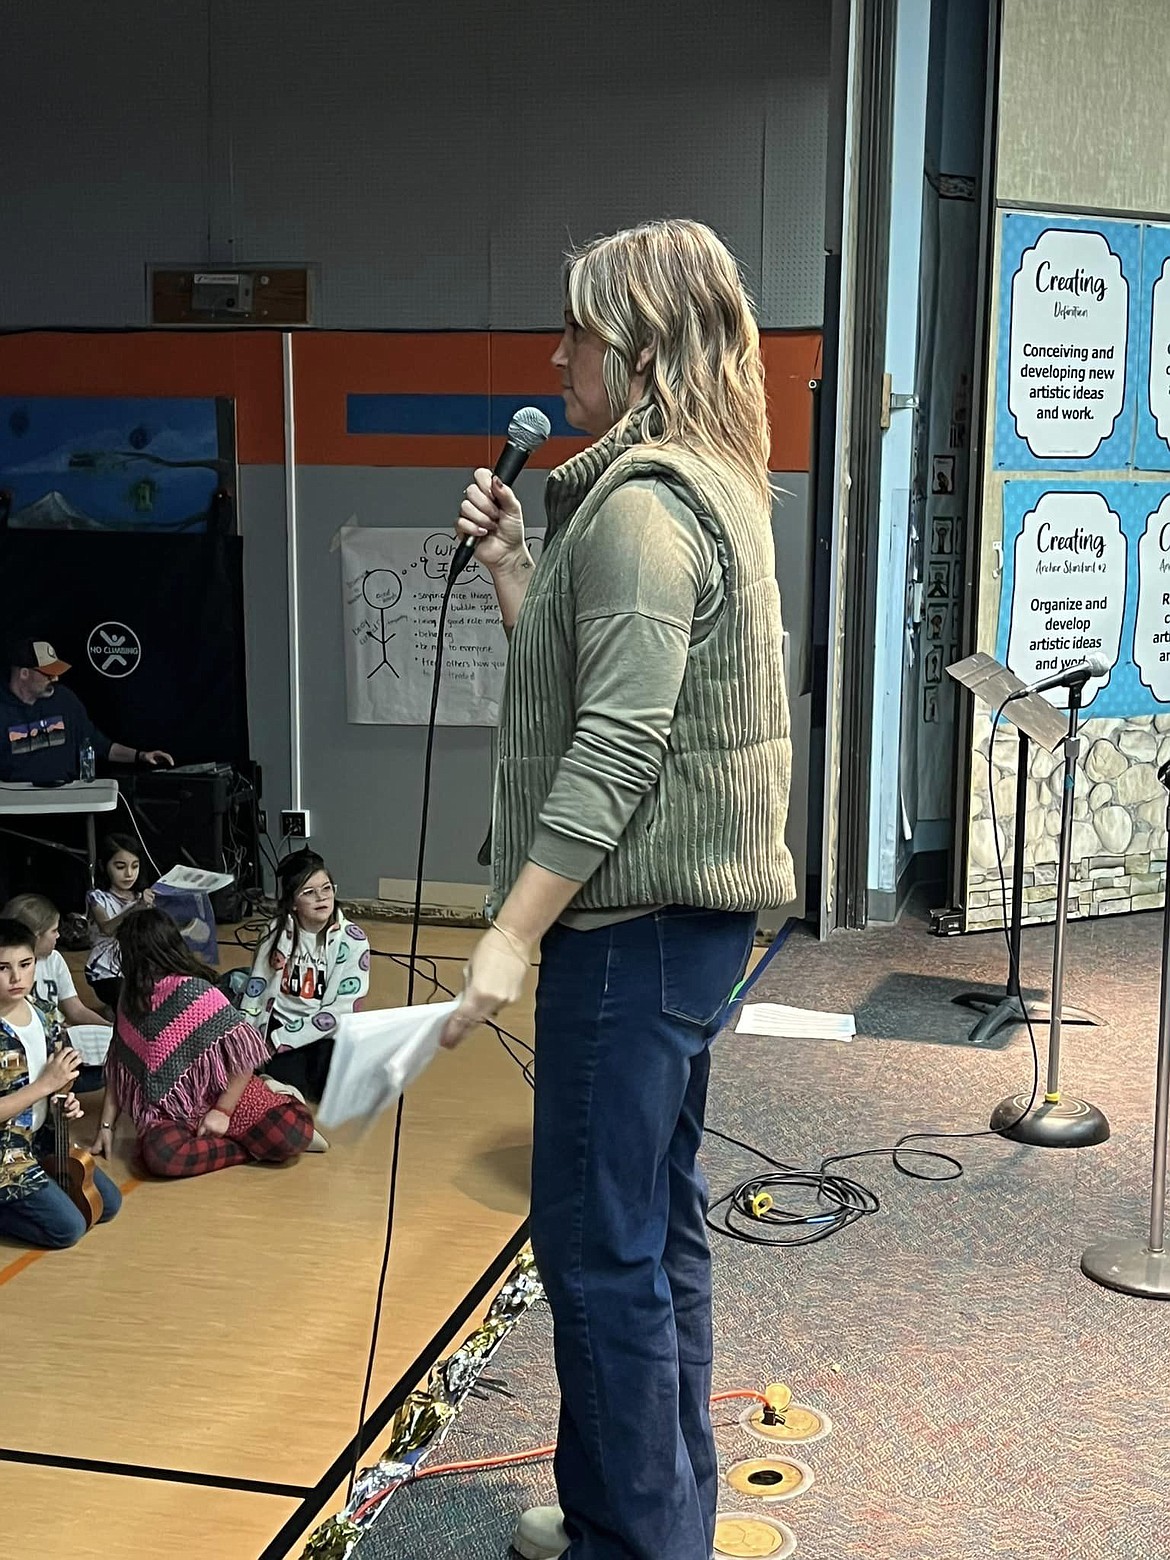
(357,1445)
(127,1470)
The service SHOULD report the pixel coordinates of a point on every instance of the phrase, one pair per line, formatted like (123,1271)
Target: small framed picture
(942,536)
(938,624)
(942,474)
(938,582)
(930,706)
(933,666)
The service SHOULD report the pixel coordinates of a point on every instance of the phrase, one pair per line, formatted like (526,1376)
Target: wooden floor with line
(181,1382)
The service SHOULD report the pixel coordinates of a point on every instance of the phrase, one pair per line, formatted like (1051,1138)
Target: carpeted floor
(987,1400)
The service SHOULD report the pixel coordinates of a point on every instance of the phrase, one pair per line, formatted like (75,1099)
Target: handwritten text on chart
(393,582)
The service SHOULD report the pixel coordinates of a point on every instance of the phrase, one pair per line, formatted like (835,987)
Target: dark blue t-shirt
(42,742)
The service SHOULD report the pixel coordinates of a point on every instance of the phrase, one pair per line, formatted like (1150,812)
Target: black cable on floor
(754,1206)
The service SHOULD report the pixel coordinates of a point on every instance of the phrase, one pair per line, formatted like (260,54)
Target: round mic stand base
(1063,1123)
(1056,1120)
(1130,1267)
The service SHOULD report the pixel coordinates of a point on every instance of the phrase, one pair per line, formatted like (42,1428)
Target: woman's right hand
(491,512)
(60,1070)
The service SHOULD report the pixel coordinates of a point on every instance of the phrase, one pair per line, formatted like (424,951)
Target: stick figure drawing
(381,590)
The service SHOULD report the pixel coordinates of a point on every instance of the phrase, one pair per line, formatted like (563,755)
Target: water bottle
(86,759)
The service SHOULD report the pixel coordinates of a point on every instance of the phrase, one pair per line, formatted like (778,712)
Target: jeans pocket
(703,954)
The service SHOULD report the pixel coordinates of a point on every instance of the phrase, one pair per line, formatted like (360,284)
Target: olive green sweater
(644,739)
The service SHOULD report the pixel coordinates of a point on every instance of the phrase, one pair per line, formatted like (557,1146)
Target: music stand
(988,680)
(1057,1122)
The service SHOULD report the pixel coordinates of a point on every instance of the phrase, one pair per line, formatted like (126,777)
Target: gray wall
(433,160)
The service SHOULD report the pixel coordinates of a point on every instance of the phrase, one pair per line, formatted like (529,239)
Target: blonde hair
(674,287)
(31,910)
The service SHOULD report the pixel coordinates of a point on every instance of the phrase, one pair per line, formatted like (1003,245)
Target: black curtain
(180,598)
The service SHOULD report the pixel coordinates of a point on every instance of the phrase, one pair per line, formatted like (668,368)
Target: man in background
(44,726)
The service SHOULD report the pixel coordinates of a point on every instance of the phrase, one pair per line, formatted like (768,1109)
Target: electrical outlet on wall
(294,825)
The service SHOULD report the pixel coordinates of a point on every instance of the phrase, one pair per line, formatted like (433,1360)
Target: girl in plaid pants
(182,1065)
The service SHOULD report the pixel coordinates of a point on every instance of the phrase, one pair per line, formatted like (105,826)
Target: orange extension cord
(537,1454)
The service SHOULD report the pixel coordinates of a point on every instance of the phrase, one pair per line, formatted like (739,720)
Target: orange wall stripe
(157,362)
(329,365)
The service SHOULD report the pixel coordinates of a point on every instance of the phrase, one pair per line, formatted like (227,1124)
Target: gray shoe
(540,1534)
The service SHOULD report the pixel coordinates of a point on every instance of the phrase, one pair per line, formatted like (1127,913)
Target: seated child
(311,967)
(183,1061)
(108,906)
(54,992)
(33,1208)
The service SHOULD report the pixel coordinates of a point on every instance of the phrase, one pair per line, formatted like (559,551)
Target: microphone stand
(1057,1122)
(1140,1267)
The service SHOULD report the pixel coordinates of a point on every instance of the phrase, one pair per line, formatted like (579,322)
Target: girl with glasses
(312,966)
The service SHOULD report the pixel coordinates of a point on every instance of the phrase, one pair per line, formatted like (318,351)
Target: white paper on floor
(376,1055)
(790,1023)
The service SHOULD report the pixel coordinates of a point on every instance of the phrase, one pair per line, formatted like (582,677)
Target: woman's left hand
(494,977)
(73,1110)
(214,1124)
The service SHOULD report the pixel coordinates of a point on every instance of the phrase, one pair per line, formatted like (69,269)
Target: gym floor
(187,1380)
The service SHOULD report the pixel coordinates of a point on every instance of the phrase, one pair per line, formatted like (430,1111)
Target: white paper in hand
(90,1041)
(375,1056)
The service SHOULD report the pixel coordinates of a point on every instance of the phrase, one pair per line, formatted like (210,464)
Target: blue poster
(1086,571)
(1067,354)
(88,463)
(1153,411)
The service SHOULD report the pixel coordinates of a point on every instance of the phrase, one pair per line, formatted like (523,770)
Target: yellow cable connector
(761,1204)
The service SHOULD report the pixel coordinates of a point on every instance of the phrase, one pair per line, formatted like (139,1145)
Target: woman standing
(638,828)
(311,967)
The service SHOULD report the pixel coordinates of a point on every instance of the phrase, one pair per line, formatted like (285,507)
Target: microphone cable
(416,916)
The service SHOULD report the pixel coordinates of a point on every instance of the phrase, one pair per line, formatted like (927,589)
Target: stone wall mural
(1119,822)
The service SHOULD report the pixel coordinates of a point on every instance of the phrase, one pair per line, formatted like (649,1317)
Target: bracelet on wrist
(517,944)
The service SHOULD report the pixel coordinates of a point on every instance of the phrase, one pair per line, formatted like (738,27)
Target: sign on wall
(392,582)
(1086,571)
(1153,409)
(1066,371)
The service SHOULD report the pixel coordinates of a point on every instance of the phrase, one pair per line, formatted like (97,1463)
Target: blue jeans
(624,1020)
(47,1217)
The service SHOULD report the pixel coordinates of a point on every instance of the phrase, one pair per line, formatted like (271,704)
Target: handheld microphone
(527,431)
(1072,676)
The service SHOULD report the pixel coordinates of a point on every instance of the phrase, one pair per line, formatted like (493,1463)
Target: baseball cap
(39,656)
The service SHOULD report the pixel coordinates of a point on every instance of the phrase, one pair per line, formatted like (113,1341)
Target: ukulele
(72,1168)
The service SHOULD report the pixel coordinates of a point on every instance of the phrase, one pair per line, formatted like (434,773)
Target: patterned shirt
(298,991)
(20,1173)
